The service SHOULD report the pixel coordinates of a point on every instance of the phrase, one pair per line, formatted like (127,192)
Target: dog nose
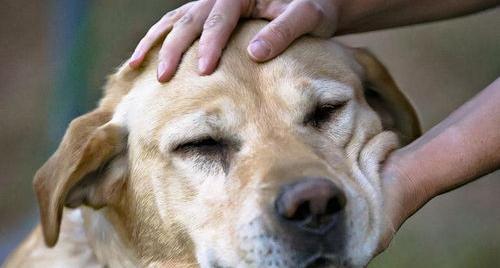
(314,205)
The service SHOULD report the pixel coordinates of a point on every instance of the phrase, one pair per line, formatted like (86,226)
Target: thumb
(299,18)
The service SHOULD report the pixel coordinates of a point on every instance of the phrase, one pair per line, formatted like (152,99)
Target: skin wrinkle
(178,208)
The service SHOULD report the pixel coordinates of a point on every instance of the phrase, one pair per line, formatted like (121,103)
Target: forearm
(463,147)
(366,15)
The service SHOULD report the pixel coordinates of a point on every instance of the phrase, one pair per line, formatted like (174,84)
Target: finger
(216,31)
(299,18)
(268,9)
(159,29)
(184,32)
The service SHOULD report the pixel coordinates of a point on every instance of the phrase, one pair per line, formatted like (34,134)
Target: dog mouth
(322,261)
(317,261)
(261,247)
(283,256)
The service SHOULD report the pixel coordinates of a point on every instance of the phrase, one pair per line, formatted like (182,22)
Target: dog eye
(203,146)
(323,113)
(209,151)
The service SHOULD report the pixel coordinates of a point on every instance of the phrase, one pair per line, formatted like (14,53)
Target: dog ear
(384,96)
(81,171)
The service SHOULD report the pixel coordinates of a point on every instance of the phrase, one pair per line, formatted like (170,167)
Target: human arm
(361,16)
(460,149)
(214,21)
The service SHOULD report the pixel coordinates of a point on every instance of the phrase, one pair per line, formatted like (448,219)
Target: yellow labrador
(257,165)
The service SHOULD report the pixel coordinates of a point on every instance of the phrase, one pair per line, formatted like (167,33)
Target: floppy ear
(384,96)
(81,171)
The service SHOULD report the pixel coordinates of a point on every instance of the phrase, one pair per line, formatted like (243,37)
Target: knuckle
(207,44)
(207,41)
(213,20)
(324,31)
(143,42)
(204,42)
(184,20)
(203,47)
(149,38)
(152,30)
(281,30)
(313,8)
(165,51)
(249,7)
(170,14)
(162,54)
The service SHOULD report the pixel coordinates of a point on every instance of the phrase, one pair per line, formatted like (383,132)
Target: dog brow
(196,125)
(329,91)
(188,127)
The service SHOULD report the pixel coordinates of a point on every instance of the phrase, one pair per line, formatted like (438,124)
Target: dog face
(257,165)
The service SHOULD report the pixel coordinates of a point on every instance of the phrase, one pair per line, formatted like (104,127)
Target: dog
(257,165)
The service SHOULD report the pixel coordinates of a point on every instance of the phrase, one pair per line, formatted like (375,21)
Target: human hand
(460,149)
(403,194)
(214,20)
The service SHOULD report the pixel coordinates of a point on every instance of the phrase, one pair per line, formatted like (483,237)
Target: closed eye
(205,146)
(208,151)
(322,114)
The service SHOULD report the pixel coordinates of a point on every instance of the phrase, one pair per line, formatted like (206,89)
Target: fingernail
(162,67)
(259,49)
(202,65)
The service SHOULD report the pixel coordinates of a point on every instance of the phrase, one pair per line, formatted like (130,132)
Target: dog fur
(136,193)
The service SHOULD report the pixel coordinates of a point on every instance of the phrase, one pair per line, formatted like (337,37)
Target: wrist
(344,18)
(403,186)
(352,13)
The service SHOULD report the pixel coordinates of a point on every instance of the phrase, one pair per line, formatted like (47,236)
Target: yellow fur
(159,208)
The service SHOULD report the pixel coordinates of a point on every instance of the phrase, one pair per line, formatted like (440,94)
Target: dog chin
(259,247)
(315,261)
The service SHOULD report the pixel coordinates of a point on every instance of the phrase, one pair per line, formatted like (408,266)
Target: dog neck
(105,241)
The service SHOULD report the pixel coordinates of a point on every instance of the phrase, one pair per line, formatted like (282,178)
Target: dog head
(257,165)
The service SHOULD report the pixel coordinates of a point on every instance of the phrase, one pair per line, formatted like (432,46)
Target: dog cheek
(366,173)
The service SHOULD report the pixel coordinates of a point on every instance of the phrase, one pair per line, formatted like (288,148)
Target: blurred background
(55,55)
